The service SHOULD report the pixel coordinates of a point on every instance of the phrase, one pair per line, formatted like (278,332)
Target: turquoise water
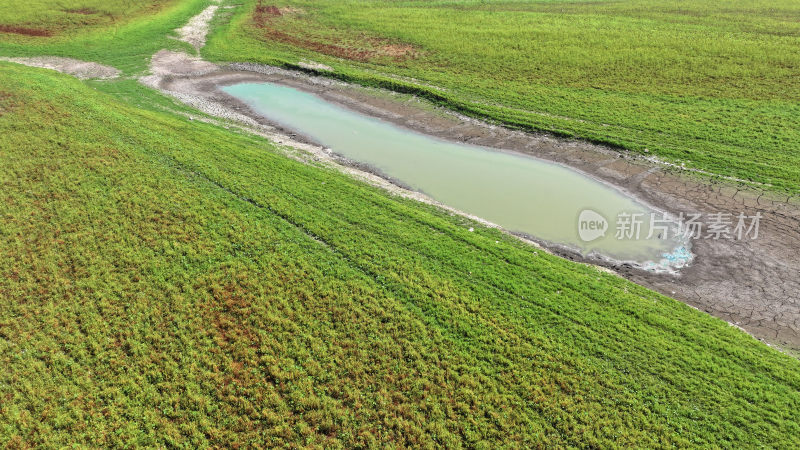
(517,192)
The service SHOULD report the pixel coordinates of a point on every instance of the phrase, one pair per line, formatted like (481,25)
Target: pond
(524,194)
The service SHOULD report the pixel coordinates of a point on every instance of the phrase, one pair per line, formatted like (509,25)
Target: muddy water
(520,193)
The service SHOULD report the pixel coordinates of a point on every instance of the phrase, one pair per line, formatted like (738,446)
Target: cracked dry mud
(753,284)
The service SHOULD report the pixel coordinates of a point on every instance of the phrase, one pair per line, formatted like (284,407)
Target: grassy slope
(165,282)
(122,33)
(711,84)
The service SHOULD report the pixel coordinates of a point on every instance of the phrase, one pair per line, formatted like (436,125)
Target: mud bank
(753,284)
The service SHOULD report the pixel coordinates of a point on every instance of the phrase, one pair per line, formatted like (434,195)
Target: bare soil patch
(265,17)
(261,10)
(25,31)
(378,49)
(267,10)
(166,63)
(75,67)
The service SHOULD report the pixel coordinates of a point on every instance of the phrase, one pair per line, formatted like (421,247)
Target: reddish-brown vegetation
(322,47)
(82,11)
(6,102)
(263,18)
(269,10)
(25,31)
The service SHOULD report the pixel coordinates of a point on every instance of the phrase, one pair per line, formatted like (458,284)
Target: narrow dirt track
(77,68)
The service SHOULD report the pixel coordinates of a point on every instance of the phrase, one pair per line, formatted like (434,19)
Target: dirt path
(195,31)
(75,67)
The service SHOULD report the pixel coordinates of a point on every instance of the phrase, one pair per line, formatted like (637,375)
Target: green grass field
(46,18)
(166,282)
(120,33)
(710,84)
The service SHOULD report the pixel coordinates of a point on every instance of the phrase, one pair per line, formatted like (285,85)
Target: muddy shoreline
(753,284)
